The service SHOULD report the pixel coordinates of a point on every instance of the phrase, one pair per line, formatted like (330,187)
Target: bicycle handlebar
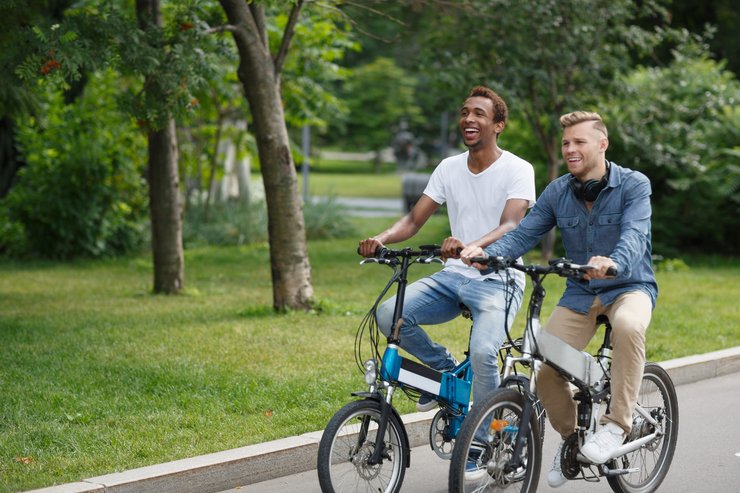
(560,266)
(424,254)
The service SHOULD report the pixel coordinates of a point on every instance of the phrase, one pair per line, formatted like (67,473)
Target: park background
(178,272)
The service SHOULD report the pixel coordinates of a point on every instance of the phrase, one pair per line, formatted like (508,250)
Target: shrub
(81,193)
(234,223)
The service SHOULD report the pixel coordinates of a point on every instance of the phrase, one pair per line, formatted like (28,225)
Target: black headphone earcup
(588,190)
(577,187)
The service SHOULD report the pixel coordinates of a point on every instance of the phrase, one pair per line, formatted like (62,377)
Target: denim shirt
(618,226)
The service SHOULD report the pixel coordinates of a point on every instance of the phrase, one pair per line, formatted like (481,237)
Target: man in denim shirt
(603,213)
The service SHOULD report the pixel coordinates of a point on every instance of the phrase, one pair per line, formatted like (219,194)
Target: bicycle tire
(342,458)
(506,407)
(658,395)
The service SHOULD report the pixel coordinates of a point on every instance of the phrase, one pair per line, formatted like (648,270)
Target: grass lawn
(382,185)
(98,375)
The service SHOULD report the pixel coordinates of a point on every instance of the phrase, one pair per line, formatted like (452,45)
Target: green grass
(381,185)
(97,375)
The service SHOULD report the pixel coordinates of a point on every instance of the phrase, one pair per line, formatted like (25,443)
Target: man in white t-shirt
(488,191)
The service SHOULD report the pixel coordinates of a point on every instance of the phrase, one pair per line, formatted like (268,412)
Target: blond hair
(576,117)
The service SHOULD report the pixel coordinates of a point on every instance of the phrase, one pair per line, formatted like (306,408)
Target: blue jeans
(436,299)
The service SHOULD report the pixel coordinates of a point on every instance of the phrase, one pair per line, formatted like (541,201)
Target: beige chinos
(629,316)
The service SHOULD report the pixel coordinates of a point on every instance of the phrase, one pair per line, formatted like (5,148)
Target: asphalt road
(707,457)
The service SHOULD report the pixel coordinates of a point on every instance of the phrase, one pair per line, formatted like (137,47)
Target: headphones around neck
(590,189)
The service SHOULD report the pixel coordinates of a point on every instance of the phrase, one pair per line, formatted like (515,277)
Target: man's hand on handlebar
(472,252)
(600,266)
(368,247)
(451,248)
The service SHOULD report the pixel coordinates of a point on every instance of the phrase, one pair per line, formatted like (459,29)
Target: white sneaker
(555,478)
(600,446)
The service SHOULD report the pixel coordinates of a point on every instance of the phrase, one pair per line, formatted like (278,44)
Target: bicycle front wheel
(348,442)
(486,445)
(651,462)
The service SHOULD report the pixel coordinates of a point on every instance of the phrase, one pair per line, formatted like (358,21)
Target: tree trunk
(164,187)
(166,216)
(291,272)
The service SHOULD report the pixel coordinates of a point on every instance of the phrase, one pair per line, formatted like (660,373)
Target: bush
(225,223)
(325,219)
(680,125)
(234,223)
(81,193)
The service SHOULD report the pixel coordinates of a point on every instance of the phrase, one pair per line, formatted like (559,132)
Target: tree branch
(258,14)
(220,29)
(287,37)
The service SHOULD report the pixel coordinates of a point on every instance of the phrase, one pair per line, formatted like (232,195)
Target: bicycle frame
(452,388)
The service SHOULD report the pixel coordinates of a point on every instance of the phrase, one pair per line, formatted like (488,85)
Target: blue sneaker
(425,403)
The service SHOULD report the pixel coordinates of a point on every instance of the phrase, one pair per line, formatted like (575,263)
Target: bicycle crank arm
(610,473)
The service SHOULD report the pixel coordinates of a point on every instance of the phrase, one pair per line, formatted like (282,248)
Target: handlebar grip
(612,271)
(380,252)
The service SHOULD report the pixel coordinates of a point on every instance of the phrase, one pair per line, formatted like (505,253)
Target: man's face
(476,122)
(583,150)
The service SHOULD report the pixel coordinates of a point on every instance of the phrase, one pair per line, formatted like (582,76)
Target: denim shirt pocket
(572,235)
(610,227)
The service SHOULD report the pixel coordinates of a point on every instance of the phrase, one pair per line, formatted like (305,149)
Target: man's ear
(603,144)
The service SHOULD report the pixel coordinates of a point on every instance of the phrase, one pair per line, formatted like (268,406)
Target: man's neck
(479,160)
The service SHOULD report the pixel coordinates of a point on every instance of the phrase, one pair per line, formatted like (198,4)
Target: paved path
(707,457)
(366,206)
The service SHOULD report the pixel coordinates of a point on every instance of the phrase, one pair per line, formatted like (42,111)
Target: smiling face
(583,148)
(476,123)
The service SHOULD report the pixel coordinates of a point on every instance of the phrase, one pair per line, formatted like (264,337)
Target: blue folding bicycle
(365,446)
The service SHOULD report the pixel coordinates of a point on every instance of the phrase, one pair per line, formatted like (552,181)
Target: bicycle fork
(385,411)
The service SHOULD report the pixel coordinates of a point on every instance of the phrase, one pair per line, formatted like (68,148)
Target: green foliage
(680,125)
(312,71)
(15,97)
(543,57)
(81,193)
(379,96)
(165,64)
(325,219)
(227,223)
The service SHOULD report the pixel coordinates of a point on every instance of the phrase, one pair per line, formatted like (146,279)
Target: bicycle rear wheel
(480,465)
(652,461)
(348,442)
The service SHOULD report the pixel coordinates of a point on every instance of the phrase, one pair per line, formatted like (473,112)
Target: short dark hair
(500,110)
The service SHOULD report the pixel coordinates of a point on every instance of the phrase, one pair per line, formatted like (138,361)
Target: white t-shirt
(475,201)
